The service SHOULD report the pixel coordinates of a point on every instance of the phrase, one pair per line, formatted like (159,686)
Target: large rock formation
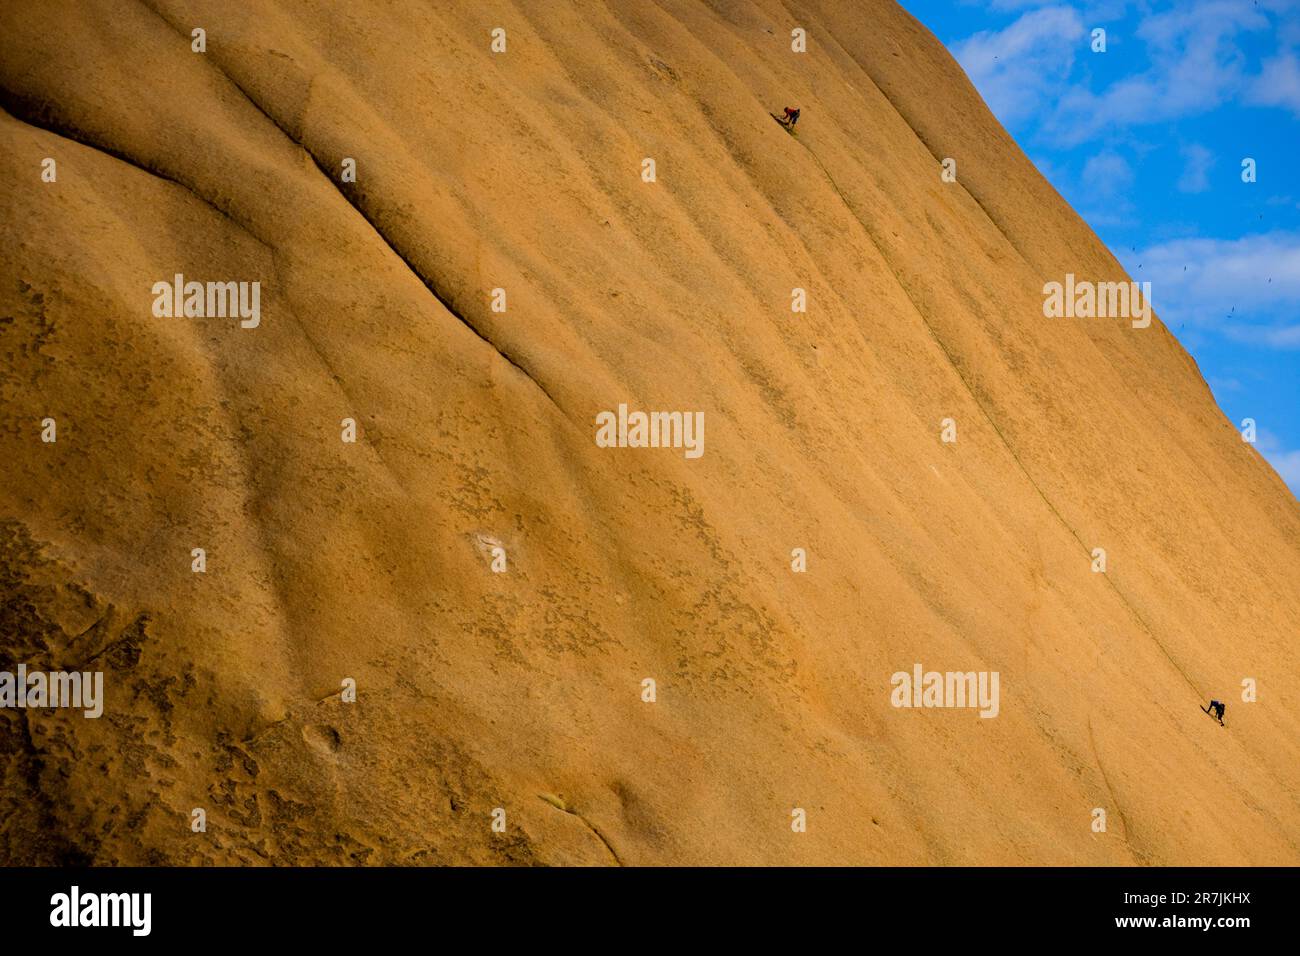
(522,689)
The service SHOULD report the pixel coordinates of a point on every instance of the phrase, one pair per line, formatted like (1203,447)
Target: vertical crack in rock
(565,808)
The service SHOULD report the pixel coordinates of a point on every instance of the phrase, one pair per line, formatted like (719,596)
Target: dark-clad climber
(1216,709)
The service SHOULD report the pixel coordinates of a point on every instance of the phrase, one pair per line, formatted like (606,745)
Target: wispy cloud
(1286,464)
(1096,11)
(1196,64)
(1278,83)
(1285,461)
(1107,174)
(1275,337)
(1196,174)
(1238,286)
(1017,69)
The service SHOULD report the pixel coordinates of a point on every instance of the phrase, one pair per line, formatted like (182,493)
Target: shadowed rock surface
(522,690)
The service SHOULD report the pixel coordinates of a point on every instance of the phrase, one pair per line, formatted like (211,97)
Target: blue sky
(1146,142)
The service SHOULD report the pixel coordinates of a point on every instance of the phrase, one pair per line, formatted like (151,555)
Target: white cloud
(1286,462)
(1236,286)
(1094,12)
(1016,69)
(1107,175)
(1276,337)
(1196,174)
(1024,70)
(1196,65)
(1278,83)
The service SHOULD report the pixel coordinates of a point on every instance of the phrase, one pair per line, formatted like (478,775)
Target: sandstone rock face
(521,686)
